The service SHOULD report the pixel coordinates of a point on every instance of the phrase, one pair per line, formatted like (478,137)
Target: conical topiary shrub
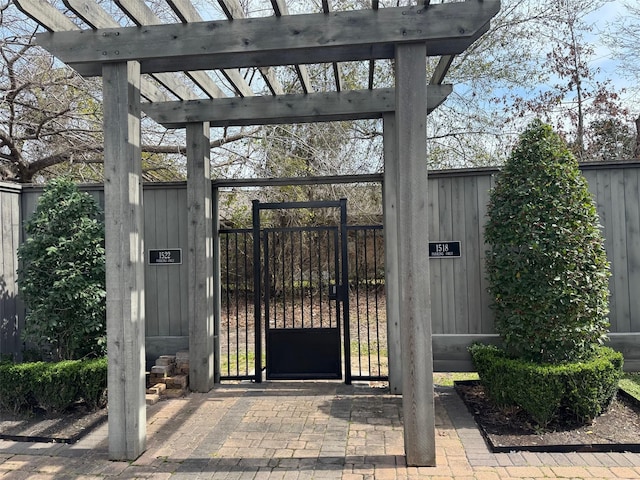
(547,267)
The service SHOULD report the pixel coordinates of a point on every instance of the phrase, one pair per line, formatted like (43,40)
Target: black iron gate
(306,287)
(303,306)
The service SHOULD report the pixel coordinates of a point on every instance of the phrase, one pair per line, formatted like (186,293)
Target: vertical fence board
(163,272)
(435,272)
(150,272)
(446,267)
(484,185)
(602,188)
(10,344)
(632,216)
(619,256)
(459,227)
(173,241)
(471,254)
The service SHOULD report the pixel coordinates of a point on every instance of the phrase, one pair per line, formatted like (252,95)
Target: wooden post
(124,229)
(413,258)
(390,199)
(200,259)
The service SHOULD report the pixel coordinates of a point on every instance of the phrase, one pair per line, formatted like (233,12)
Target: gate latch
(333,292)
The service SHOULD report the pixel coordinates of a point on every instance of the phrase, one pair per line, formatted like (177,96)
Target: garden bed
(507,430)
(65,427)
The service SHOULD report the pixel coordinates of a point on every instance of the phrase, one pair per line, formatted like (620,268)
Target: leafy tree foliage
(547,266)
(62,273)
(534,62)
(51,117)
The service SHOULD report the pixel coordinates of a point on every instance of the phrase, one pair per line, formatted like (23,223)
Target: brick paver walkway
(300,430)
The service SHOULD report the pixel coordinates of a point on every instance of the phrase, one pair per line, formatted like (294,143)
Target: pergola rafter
(176,54)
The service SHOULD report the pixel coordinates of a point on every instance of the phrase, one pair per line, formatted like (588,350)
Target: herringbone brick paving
(300,430)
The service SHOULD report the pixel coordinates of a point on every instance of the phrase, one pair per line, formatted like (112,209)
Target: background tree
(62,274)
(497,89)
(51,117)
(623,37)
(574,99)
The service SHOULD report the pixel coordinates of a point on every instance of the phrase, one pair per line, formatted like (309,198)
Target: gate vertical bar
(413,263)
(267,285)
(345,291)
(217,284)
(257,295)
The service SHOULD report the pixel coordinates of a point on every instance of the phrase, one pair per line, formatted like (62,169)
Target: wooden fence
(459,301)
(10,307)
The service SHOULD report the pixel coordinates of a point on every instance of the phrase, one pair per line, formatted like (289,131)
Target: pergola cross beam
(301,108)
(446,29)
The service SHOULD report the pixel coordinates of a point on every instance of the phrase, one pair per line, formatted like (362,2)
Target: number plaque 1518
(444,249)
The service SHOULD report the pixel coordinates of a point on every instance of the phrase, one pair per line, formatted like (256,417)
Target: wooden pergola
(162,69)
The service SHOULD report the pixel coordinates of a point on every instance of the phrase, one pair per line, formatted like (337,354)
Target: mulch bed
(64,427)
(617,429)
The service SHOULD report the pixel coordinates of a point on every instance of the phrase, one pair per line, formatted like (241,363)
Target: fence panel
(10,306)
(367,303)
(459,301)
(237,333)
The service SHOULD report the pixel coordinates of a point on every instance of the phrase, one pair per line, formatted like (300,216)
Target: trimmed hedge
(583,389)
(53,386)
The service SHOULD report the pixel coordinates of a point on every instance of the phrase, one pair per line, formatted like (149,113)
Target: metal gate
(311,286)
(299,274)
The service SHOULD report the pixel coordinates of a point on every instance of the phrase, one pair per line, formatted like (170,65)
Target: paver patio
(300,430)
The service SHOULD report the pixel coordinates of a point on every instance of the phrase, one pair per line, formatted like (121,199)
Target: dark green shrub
(62,274)
(583,389)
(547,267)
(56,386)
(17,383)
(92,378)
(53,386)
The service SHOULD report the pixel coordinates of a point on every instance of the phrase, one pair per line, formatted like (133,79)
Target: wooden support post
(124,228)
(200,259)
(390,203)
(413,259)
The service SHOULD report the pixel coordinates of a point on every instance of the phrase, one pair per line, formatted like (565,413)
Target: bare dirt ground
(64,427)
(368,328)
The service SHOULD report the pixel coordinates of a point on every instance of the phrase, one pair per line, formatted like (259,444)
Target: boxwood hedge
(583,389)
(53,386)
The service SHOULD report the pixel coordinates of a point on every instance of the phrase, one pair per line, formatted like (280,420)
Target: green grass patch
(447,379)
(630,383)
(239,364)
(372,348)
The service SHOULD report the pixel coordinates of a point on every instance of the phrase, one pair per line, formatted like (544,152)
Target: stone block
(177,381)
(166,370)
(182,356)
(156,378)
(152,399)
(166,360)
(157,389)
(174,393)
